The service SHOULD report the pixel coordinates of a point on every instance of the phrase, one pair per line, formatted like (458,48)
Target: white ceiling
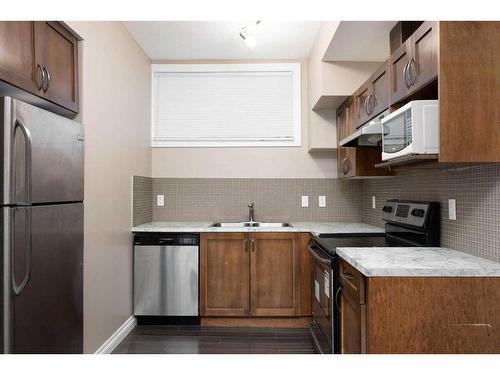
(212,40)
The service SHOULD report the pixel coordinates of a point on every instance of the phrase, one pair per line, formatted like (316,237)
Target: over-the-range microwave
(412,129)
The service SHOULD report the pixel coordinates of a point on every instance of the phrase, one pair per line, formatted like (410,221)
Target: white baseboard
(117,337)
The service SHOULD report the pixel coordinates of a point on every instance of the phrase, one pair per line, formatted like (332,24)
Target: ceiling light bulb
(250,41)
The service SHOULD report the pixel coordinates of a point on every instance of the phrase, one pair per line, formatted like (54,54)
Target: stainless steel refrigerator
(41,259)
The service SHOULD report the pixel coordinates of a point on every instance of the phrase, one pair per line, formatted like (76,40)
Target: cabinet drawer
(352,281)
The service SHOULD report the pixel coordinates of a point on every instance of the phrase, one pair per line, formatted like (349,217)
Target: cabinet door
(275,274)
(361,113)
(17,55)
(379,90)
(399,85)
(224,274)
(351,324)
(423,67)
(341,123)
(349,115)
(56,50)
(346,161)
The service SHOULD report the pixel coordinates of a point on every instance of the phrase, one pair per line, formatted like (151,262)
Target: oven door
(322,299)
(397,135)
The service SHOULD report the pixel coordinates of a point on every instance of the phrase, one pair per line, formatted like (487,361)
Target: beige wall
(256,162)
(330,78)
(115,109)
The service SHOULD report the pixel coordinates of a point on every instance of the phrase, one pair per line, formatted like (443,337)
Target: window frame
(294,68)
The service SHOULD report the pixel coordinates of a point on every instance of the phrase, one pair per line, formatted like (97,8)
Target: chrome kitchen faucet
(251,212)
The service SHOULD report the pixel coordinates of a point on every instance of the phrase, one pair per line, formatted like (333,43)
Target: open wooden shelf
(407,160)
(329,102)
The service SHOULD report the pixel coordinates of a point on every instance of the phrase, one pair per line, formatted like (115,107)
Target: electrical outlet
(305,201)
(374,202)
(322,201)
(452,209)
(160,200)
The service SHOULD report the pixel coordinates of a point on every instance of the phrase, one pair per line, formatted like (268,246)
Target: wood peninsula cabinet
(39,64)
(417,314)
(254,275)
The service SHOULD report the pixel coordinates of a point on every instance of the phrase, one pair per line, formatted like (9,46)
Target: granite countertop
(315,228)
(417,261)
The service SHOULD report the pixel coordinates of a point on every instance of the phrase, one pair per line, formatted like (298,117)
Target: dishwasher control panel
(166,239)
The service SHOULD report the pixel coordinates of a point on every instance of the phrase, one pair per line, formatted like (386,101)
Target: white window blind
(226,105)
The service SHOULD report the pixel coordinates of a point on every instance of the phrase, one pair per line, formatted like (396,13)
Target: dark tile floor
(154,339)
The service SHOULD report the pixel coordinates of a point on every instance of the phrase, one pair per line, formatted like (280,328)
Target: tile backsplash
(215,199)
(476,190)
(142,200)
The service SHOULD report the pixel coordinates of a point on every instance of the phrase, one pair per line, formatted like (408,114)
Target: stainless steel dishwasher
(166,268)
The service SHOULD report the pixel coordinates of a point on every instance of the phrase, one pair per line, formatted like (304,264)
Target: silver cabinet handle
(372,102)
(17,289)
(39,77)
(46,81)
(348,276)
(405,75)
(412,74)
(345,165)
(246,244)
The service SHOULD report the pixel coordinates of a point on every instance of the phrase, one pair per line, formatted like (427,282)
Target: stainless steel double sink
(250,224)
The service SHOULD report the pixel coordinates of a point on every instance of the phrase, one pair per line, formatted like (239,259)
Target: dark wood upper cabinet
(57,53)
(356,161)
(17,54)
(424,44)
(398,63)
(415,63)
(39,64)
(224,274)
(275,274)
(372,98)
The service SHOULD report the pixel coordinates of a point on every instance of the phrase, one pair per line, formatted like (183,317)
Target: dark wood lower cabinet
(419,314)
(275,274)
(255,275)
(224,274)
(352,321)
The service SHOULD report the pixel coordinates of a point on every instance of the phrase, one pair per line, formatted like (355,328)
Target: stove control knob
(387,209)
(415,212)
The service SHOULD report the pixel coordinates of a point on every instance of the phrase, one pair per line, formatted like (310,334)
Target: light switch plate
(305,201)
(452,209)
(160,200)
(322,201)
(374,202)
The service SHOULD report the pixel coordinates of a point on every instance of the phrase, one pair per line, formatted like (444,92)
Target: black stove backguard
(412,223)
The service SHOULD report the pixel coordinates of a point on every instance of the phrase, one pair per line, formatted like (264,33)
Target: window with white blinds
(226,105)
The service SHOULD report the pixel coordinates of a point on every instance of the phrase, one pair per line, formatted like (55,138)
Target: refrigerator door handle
(27,156)
(17,289)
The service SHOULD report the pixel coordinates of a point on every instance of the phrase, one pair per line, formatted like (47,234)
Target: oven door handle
(318,257)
